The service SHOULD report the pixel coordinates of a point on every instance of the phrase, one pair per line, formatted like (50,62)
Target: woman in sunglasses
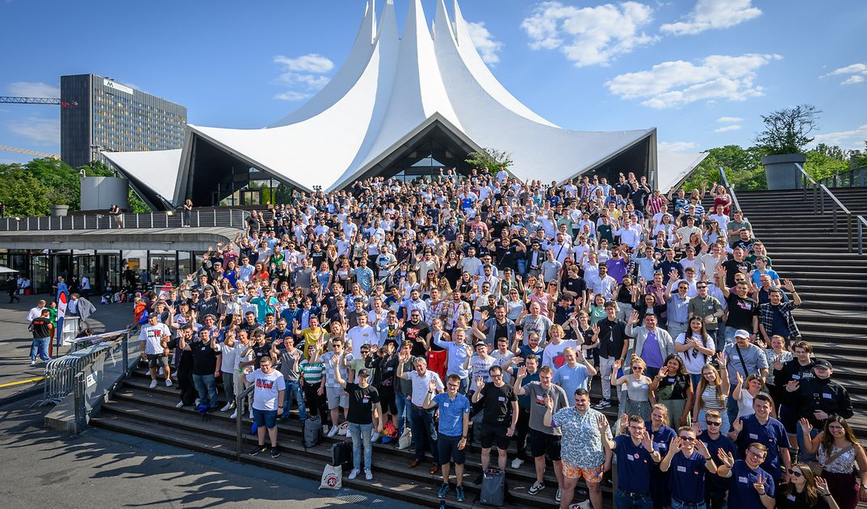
(804,490)
(638,397)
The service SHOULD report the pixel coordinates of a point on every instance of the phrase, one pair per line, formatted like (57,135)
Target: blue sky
(701,71)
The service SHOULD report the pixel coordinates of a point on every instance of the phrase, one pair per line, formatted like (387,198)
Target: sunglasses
(688,439)
(795,473)
(709,423)
(637,368)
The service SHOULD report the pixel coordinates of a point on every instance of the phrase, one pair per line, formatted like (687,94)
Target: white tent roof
(675,166)
(389,88)
(156,169)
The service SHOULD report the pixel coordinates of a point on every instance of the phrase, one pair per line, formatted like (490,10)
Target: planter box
(58,210)
(782,172)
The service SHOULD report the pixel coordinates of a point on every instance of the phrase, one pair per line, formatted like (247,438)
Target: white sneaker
(374,436)
(227,407)
(517,462)
(324,428)
(153,384)
(180,404)
(198,401)
(368,474)
(333,431)
(344,429)
(353,474)
(32,363)
(168,382)
(234,415)
(160,372)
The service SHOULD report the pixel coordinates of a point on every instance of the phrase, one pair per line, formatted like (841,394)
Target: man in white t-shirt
(267,403)
(154,338)
(361,334)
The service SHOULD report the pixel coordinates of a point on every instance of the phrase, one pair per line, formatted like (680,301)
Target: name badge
(796,377)
(826,395)
(446,405)
(791,497)
(630,458)
(743,480)
(390,368)
(681,469)
(501,398)
(565,377)
(671,380)
(365,400)
(753,436)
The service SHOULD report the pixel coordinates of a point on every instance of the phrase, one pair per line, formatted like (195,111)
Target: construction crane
(52,101)
(29,152)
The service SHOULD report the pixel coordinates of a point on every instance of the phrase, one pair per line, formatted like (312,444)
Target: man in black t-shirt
(500,415)
(418,332)
(363,400)
(41,329)
(743,311)
(736,264)
(613,344)
(206,367)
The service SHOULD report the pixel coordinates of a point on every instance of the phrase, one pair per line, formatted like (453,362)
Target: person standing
(154,338)
(421,420)
(206,367)
(688,462)
(267,403)
(544,440)
(500,407)
(289,359)
(363,405)
(454,422)
(750,487)
(761,427)
(716,487)
(613,345)
(838,453)
(635,456)
(41,329)
(583,455)
(12,288)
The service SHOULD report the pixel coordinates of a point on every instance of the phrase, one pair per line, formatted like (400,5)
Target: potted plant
(59,205)
(783,140)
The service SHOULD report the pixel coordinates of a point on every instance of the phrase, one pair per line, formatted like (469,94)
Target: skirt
(843,487)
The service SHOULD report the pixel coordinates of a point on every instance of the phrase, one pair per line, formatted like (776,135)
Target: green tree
(21,192)
(787,131)
(490,160)
(743,169)
(825,163)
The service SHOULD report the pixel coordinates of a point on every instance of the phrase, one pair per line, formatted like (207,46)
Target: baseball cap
(363,372)
(822,363)
(740,333)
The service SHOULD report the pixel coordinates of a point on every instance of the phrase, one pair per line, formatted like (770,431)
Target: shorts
(266,418)
(337,397)
(543,444)
(386,399)
(447,449)
(157,360)
(495,434)
(591,476)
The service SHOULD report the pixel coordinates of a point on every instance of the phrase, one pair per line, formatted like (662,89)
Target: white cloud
(485,43)
(675,146)
(312,63)
(589,35)
(32,89)
(856,73)
(291,95)
(43,131)
(727,128)
(304,75)
(713,14)
(847,140)
(729,120)
(677,83)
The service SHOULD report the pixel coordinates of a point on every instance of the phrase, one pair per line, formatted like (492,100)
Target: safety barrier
(60,373)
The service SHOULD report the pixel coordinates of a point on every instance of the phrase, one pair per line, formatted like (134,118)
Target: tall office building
(114,117)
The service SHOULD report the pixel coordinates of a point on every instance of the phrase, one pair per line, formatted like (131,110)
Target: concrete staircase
(831,281)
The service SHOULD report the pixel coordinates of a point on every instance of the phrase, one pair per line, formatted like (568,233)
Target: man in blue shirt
(635,457)
(764,429)
(715,486)
(687,460)
(453,425)
(575,372)
(750,487)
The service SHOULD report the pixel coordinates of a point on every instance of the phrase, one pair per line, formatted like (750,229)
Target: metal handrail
(819,205)
(232,218)
(861,222)
(848,178)
(725,182)
(239,398)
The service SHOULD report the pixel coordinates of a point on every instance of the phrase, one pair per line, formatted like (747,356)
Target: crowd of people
(473,313)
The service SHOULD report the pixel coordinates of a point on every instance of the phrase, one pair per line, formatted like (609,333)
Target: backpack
(493,487)
(341,454)
(312,430)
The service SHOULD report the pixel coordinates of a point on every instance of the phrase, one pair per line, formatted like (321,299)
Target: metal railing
(862,223)
(856,177)
(239,414)
(60,372)
(820,192)
(207,218)
(731,189)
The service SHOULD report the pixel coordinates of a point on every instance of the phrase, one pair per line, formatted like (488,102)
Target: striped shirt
(312,371)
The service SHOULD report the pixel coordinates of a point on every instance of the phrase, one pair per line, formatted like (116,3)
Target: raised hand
(433,384)
(778,363)
(624,421)
(480,382)
(673,275)
(602,422)
(793,386)
(522,372)
(677,444)
(726,457)
(646,442)
(633,318)
(822,486)
(696,427)
(701,448)
(759,485)
(738,425)
(806,426)
(788,285)
(721,360)
(740,378)
(549,402)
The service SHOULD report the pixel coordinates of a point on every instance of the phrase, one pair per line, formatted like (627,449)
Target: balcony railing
(853,178)
(201,218)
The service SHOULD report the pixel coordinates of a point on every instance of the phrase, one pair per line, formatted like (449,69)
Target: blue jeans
(404,417)
(207,389)
(424,432)
(360,434)
(465,385)
(293,390)
(40,347)
(677,505)
(624,501)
